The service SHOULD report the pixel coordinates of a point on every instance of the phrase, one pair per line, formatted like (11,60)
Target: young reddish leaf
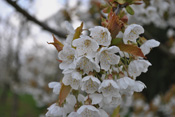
(107,9)
(114,24)
(131,49)
(124,19)
(64,91)
(58,45)
(78,31)
(116,112)
(104,22)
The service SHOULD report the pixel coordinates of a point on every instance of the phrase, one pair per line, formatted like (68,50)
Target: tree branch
(33,19)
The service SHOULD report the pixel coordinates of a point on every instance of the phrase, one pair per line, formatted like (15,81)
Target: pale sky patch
(5,10)
(46,8)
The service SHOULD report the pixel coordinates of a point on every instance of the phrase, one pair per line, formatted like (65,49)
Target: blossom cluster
(98,73)
(160,105)
(158,12)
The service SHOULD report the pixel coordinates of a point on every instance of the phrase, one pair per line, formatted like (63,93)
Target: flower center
(87,43)
(70,57)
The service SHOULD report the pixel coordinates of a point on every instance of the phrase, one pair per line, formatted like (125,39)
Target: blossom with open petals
(90,84)
(88,111)
(87,64)
(54,110)
(71,33)
(132,32)
(74,114)
(106,57)
(148,45)
(136,67)
(85,46)
(128,86)
(101,35)
(109,88)
(96,98)
(67,57)
(73,79)
(56,87)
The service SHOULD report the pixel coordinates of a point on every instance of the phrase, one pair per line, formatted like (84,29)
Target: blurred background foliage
(28,63)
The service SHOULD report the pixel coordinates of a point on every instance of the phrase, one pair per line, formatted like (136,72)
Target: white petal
(113,49)
(136,67)
(106,57)
(88,110)
(85,45)
(96,98)
(87,64)
(148,45)
(56,87)
(81,98)
(74,114)
(139,86)
(132,32)
(90,84)
(103,113)
(67,79)
(125,82)
(109,88)
(53,84)
(101,35)
(71,100)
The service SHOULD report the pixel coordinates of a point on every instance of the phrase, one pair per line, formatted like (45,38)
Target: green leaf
(116,41)
(130,10)
(116,112)
(121,1)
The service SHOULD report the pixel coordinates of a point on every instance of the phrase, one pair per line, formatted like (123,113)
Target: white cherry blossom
(88,111)
(81,98)
(106,57)
(90,84)
(139,86)
(101,35)
(73,79)
(128,86)
(69,104)
(148,45)
(103,113)
(67,57)
(85,46)
(71,33)
(96,98)
(54,110)
(87,64)
(109,88)
(136,67)
(74,114)
(56,87)
(116,100)
(132,32)
(125,82)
